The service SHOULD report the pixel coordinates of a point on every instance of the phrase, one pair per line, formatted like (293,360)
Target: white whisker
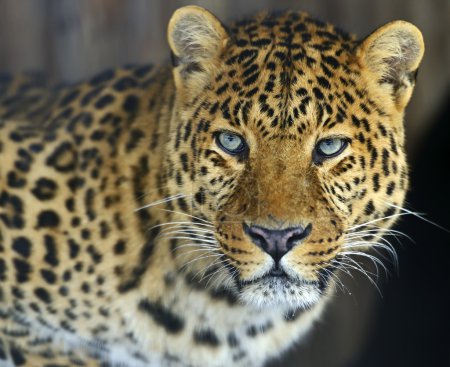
(191,239)
(185,228)
(376,261)
(162,201)
(186,214)
(175,224)
(396,215)
(418,215)
(360,269)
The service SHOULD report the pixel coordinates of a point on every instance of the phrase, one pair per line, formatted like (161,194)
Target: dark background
(408,324)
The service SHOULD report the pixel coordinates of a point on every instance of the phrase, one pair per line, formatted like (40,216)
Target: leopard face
(289,144)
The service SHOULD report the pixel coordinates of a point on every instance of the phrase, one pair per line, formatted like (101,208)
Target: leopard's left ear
(196,38)
(392,55)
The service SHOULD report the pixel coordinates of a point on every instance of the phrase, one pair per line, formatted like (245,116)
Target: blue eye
(328,148)
(231,143)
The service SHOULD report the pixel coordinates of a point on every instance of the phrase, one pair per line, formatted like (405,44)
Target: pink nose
(277,242)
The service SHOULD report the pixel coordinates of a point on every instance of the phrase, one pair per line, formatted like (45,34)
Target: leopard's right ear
(196,38)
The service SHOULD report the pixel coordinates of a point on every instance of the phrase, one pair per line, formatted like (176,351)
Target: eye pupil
(230,138)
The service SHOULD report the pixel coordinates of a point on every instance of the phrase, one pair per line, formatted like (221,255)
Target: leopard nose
(277,242)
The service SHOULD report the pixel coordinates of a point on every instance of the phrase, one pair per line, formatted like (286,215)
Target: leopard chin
(281,292)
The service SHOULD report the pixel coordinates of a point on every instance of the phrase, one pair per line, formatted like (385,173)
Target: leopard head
(287,136)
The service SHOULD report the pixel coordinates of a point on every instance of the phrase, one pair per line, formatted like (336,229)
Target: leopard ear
(196,38)
(392,55)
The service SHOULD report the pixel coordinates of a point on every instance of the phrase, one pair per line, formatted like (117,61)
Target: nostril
(258,240)
(298,235)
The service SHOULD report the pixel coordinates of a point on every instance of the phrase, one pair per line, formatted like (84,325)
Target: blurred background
(406,322)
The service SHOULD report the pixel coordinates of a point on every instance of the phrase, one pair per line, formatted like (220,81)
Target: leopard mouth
(278,288)
(274,275)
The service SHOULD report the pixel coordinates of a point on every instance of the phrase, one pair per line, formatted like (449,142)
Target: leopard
(200,212)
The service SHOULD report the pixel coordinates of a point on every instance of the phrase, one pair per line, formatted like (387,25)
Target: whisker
(360,269)
(396,215)
(375,246)
(338,281)
(205,247)
(383,232)
(216,262)
(211,276)
(374,259)
(388,247)
(196,250)
(186,214)
(188,229)
(169,231)
(174,224)
(418,215)
(207,256)
(162,201)
(190,239)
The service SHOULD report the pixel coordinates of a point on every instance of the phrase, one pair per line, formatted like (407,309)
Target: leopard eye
(231,143)
(329,148)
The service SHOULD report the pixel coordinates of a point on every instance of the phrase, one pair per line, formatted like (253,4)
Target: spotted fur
(122,221)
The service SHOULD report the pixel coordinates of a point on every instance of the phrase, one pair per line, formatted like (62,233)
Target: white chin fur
(277,292)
